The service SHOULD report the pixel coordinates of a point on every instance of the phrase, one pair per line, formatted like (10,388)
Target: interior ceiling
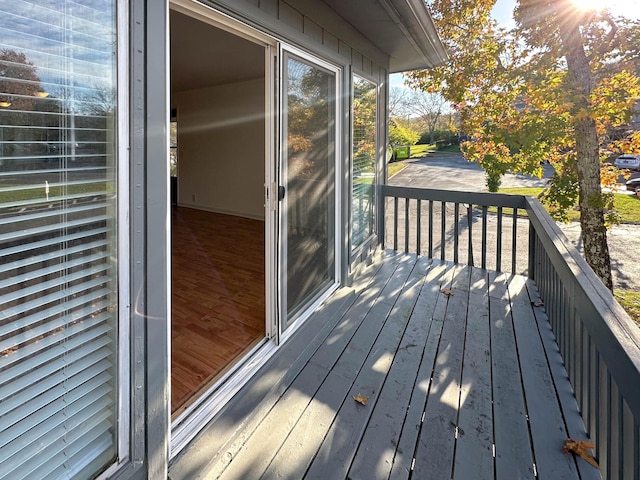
(204,56)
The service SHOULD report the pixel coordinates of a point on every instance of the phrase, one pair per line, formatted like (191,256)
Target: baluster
(443,213)
(430,228)
(406,225)
(418,225)
(499,242)
(470,225)
(484,237)
(456,231)
(514,237)
(630,445)
(615,433)
(395,224)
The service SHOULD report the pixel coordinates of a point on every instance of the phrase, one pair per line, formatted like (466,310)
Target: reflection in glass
(364,160)
(310,182)
(58,257)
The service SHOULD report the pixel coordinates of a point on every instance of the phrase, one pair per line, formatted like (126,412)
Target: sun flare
(623,8)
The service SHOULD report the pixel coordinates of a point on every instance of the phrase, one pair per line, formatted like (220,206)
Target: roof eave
(416,23)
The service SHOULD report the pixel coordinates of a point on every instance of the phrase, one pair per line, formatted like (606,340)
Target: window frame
(118,216)
(355,250)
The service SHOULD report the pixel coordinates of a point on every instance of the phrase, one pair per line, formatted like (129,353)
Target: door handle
(281,192)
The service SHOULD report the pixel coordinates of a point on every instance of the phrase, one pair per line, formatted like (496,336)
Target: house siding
(311,25)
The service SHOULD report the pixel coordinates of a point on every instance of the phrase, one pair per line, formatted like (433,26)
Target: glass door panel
(308,175)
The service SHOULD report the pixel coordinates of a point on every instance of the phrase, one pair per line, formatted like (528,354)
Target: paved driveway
(450,171)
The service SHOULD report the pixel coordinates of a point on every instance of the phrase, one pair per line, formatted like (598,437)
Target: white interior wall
(221,154)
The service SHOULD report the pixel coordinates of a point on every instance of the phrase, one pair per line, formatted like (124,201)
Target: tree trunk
(594,231)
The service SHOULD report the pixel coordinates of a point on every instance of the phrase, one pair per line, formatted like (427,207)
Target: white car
(629,161)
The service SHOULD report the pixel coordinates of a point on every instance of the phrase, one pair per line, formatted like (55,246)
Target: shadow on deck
(459,368)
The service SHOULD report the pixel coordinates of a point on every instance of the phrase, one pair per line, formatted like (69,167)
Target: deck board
(449,380)
(474,448)
(543,409)
(436,443)
(512,443)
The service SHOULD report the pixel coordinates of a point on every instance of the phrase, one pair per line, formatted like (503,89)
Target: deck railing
(599,343)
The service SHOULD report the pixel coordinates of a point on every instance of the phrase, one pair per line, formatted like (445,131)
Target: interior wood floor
(218,297)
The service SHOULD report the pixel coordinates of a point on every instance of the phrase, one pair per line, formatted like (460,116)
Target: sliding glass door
(308,183)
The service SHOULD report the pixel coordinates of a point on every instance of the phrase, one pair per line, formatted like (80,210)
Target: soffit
(403,29)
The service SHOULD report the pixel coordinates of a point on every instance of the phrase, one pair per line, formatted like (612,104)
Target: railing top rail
(614,333)
(473,198)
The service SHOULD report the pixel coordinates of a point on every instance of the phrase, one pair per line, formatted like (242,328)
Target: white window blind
(364,160)
(58,239)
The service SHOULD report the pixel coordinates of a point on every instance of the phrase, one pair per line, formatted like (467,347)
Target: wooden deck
(461,375)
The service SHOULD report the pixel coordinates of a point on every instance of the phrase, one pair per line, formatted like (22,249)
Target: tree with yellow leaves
(547,91)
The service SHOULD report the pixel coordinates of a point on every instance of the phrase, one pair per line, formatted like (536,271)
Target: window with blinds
(58,239)
(364,160)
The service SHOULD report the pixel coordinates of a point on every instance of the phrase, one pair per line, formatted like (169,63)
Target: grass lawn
(418,151)
(628,206)
(450,148)
(31,192)
(630,301)
(393,168)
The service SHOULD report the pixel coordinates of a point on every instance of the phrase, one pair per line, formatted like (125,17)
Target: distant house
(126,323)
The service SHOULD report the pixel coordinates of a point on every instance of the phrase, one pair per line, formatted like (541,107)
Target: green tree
(401,133)
(364,119)
(546,91)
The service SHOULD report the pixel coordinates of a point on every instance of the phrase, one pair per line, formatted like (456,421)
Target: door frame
(189,422)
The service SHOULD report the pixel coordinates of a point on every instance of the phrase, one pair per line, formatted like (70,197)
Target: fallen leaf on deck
(447,292)
(361,399)
(580,447)
(537,304)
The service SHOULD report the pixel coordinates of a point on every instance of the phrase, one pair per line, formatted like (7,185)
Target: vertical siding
(268,6)
(312,29)
(291,16)
(335,36)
